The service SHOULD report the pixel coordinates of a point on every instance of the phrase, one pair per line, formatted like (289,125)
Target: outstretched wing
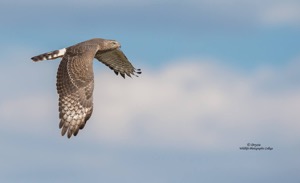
(75,83)
(117,61)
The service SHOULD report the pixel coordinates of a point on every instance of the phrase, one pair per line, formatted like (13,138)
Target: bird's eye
(115,44)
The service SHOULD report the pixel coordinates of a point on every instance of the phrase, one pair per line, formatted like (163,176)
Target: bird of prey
(75,78)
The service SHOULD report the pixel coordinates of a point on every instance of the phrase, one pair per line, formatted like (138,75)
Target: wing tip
(135,72)
(138,71)
(123,75)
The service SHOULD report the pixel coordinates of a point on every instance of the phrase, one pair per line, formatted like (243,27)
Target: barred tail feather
(50,55)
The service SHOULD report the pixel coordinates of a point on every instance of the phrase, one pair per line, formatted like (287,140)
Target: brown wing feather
(75,83)
(117,61)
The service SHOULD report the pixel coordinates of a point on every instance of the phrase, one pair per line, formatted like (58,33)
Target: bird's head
(110,45)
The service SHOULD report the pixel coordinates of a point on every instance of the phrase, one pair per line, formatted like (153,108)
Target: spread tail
(50,55)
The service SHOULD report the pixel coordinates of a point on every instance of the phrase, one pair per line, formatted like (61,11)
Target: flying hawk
(75,78)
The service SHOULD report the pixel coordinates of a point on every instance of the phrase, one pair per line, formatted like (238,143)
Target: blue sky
(217,75)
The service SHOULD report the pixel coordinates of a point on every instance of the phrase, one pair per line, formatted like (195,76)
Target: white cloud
(282,13)
(194,13)
(28,113)
(193,104)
